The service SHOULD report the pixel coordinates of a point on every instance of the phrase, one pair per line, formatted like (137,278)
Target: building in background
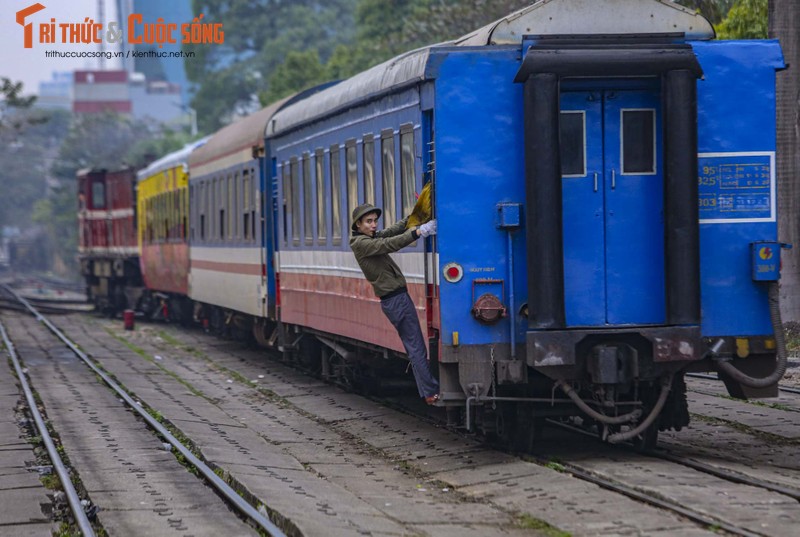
(130,94)
(169,70)
(145,88)
(56,93)
(100,91)
(156,100)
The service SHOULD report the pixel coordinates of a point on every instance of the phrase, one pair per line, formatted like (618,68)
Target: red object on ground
(128,317)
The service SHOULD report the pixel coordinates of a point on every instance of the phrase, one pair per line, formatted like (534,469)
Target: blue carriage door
(613,207)
(581,122)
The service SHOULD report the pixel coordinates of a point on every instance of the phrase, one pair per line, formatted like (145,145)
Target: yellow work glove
(422,209)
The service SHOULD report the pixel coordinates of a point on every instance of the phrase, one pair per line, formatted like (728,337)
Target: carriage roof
(547,17)
(171,160)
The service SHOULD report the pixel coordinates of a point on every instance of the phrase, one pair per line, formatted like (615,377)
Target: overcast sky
(30,65)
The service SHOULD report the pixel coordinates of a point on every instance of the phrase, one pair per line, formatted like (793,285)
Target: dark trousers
(403,315)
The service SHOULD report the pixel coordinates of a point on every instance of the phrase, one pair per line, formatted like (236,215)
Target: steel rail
(727,475)
(631,492)
(708,376)
(63,474)
(245,508)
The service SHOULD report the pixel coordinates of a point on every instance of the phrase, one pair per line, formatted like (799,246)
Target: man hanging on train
(372,248)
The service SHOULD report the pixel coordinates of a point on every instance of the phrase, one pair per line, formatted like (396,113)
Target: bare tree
(784,24)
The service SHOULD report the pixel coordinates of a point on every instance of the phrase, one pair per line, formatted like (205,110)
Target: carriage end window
(639,141)
(572,139)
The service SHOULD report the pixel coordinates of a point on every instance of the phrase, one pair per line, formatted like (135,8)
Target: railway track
(467,467)
(705,376)
(725,474)
(699,517)
(347,488)
(210,478)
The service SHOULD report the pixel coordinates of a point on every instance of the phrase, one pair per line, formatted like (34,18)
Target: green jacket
(372,254)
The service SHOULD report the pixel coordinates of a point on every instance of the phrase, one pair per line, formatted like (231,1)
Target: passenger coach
(163,226)
(604,181)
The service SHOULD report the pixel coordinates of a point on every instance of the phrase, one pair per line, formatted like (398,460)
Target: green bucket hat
(360,212)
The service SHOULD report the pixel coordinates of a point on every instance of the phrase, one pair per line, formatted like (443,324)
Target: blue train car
(603,177)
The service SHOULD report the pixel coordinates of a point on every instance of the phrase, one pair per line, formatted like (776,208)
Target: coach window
(368,159)
(408,176)
(245,205)
(167,215)
(295,171)
(387,169)
(287,200)
(165,210)
(253,198)
(219,232)
(211,186)
(231,204)
(238,208)
(212,210)
(156,219)
(351,161)
(199,208)
(149,212)
(176,211)
(319,166)
(185,211)
(98,195)
(176,214)
(308,207)
(203,204)
(336,196)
